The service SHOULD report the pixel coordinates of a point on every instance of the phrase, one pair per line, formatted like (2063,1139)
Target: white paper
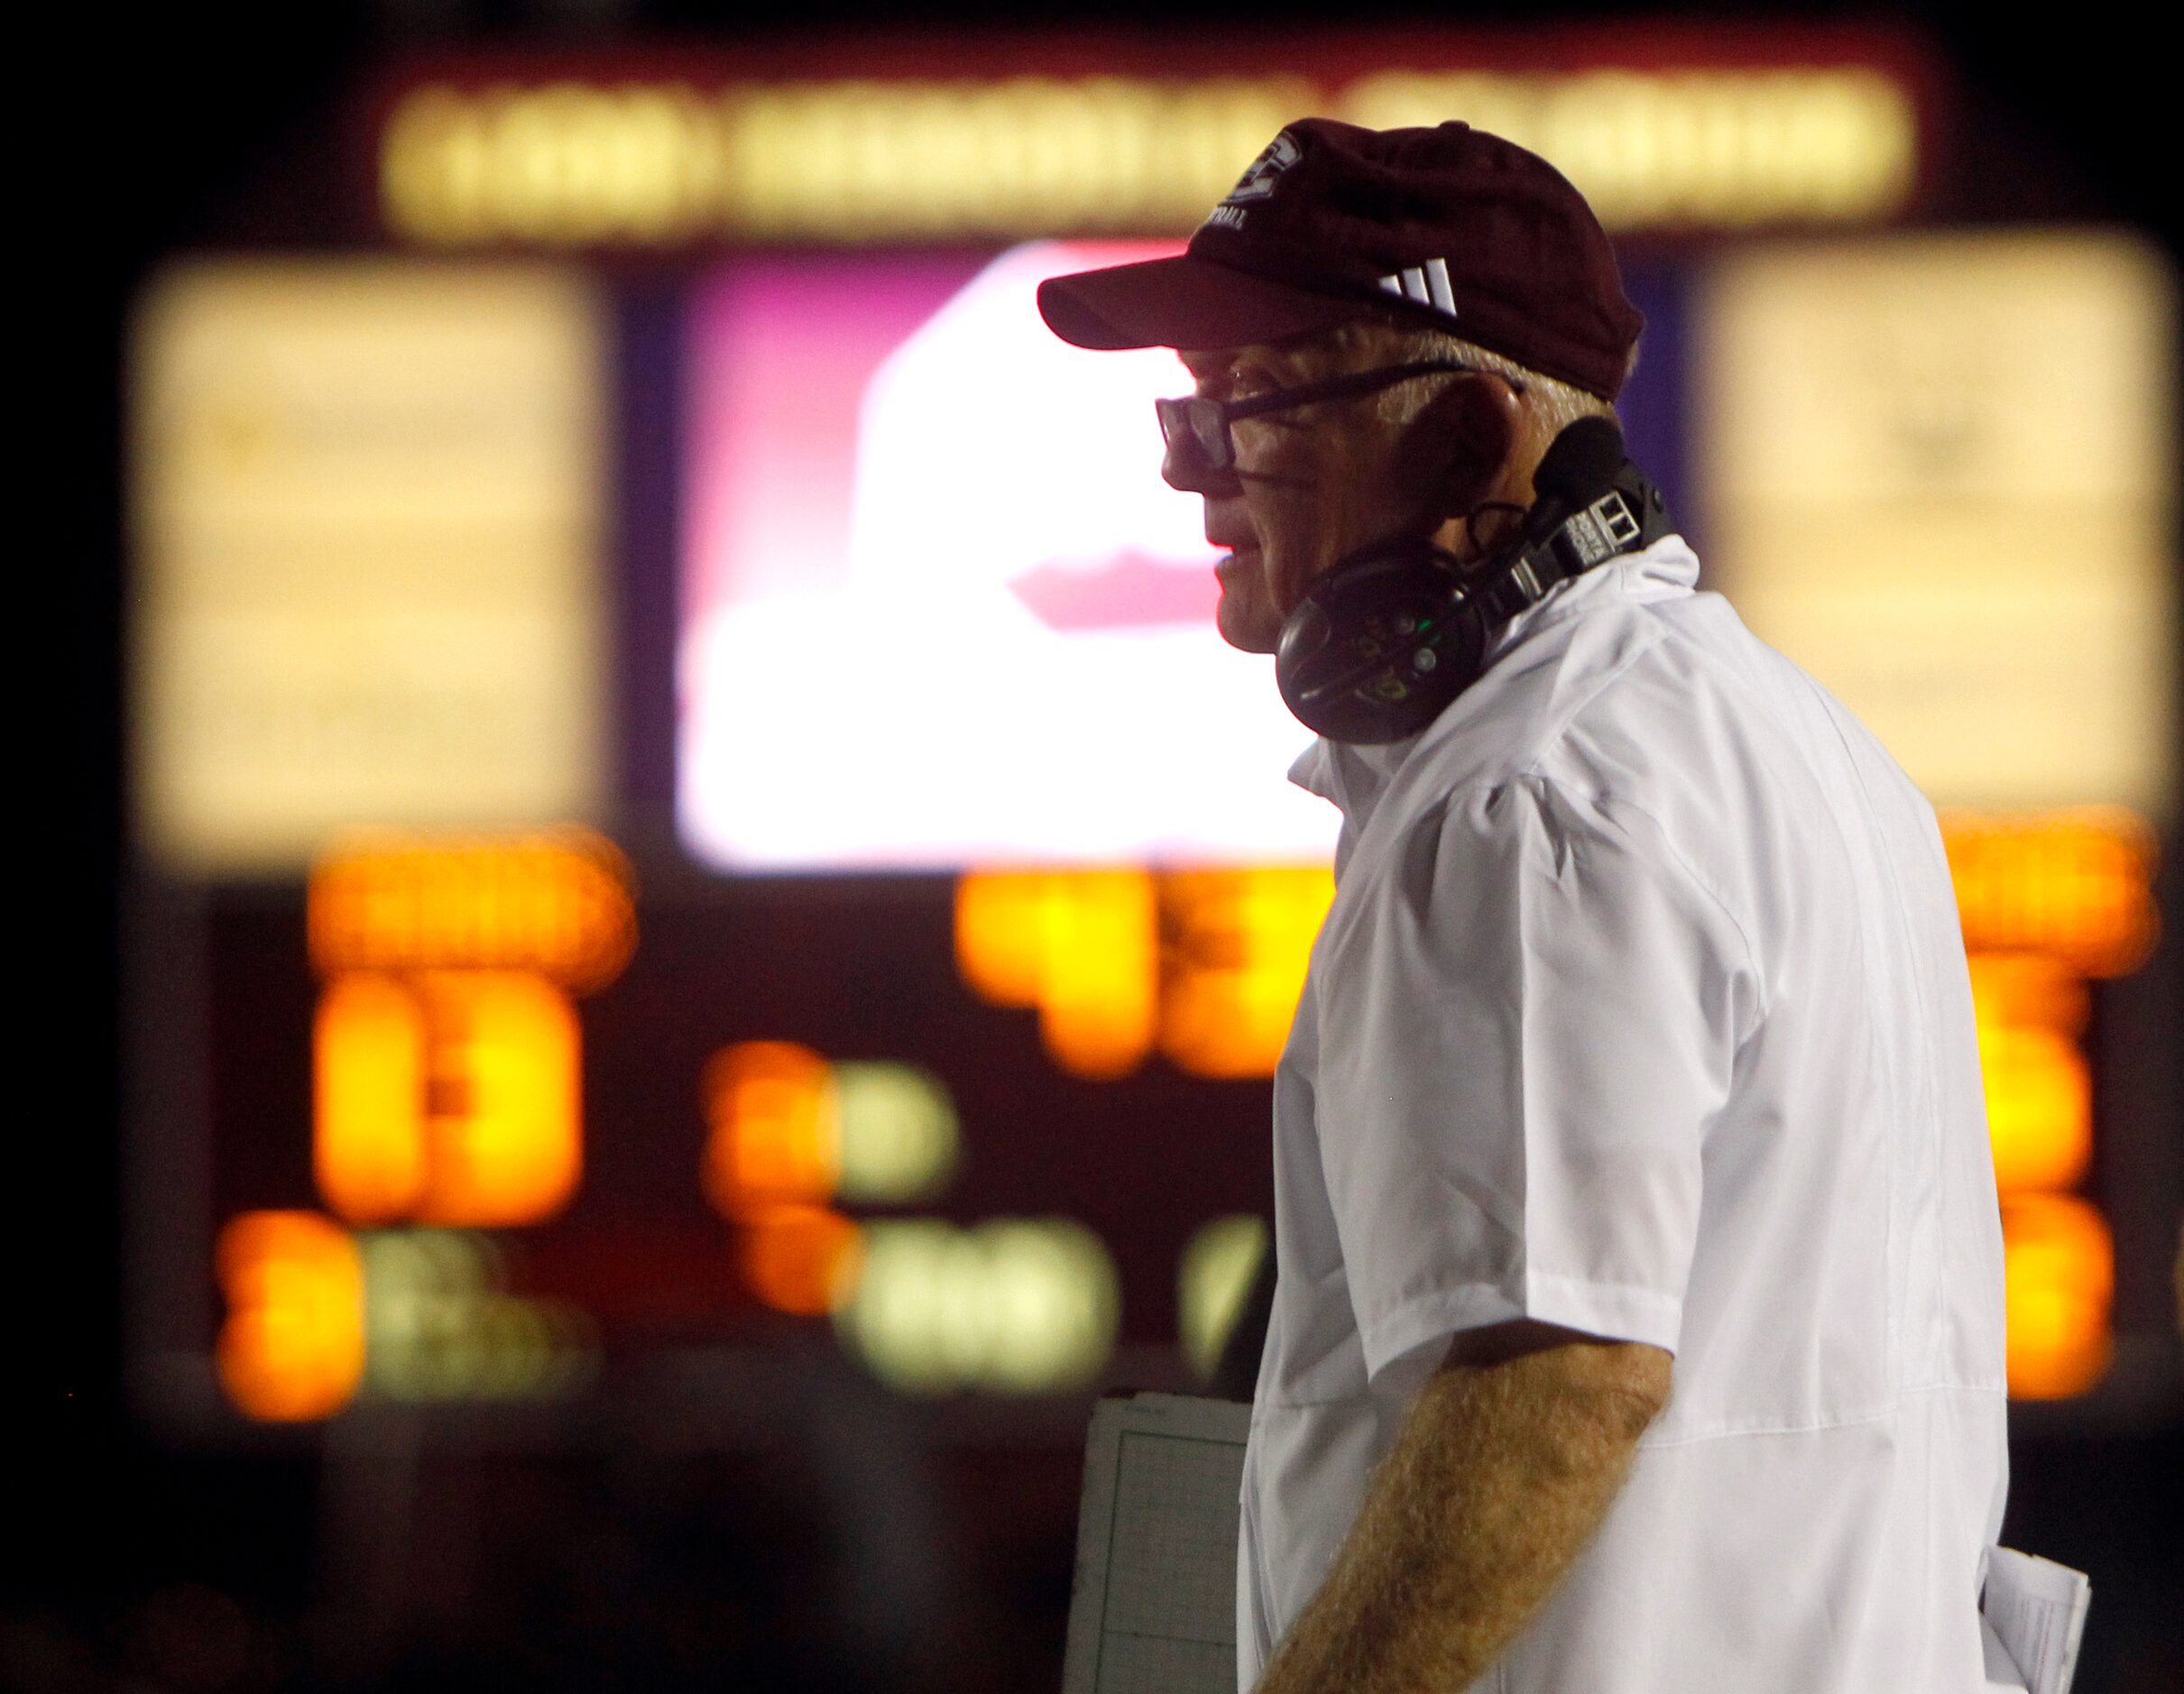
(2036,1610)
(1152,1606)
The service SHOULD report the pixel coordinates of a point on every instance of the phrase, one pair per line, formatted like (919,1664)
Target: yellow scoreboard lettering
(786,1126)
(450,1097)
(800,1259)
(1203,965)
(448,1075)
(553,902)
(570,163)
(2039,1105)
(2046,901)
(774,1130)
(1695,147)
(368,1148)
(293,1348)
(1237,943)
(2075,885)
(484,1129)
(788,1133)
(2058,1269)
(1081,946)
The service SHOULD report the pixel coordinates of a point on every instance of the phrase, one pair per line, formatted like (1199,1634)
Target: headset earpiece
(1381,644)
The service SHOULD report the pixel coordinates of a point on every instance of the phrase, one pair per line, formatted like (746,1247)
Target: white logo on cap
(1257,183)
(1427,284)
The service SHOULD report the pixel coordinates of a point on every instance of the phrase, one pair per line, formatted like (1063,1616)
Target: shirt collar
(1353,778)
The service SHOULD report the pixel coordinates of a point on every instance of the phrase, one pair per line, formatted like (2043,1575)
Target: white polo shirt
(1642,1009)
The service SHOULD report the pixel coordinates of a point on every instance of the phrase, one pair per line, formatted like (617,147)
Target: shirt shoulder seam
(1657,635)
(1608,801)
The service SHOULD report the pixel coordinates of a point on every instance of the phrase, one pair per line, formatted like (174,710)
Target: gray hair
(1556,404)
(1551,402)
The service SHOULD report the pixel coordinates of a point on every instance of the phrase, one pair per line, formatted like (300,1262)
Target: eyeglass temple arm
(1341,387)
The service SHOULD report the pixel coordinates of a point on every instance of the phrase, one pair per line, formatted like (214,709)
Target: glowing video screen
(938,607)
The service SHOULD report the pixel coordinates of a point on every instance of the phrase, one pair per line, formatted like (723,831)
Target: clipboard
(1152,1608)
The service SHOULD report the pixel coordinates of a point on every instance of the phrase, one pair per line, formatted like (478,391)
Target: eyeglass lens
(1197,423)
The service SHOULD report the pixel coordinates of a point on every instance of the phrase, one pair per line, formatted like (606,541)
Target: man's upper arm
(1633,1372)
(1530,1025)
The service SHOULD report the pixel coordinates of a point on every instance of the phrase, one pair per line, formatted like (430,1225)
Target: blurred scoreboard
(689,806)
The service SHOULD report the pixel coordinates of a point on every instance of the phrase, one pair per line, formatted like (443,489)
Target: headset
(1382,642)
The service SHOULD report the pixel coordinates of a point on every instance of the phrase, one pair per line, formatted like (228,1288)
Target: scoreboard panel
(899,1010)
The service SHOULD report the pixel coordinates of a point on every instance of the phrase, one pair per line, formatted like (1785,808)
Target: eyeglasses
(1200,425)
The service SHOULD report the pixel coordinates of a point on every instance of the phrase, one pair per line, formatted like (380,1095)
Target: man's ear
(1462,444)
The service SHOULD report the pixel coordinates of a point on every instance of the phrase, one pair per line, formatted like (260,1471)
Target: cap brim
(1183,302)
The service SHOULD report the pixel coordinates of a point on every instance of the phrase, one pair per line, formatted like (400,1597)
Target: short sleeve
(1528,1018)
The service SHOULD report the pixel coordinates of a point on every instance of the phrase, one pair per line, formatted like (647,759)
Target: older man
(1638,1323)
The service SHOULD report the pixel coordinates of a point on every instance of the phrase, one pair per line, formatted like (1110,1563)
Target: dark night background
(171,128)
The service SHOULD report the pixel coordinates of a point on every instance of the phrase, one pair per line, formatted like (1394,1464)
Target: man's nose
(1184,467)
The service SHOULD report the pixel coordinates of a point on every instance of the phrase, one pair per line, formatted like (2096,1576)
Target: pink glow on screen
(938,607)
(787,348)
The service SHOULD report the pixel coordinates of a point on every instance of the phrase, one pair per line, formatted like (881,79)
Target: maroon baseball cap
(1451,227)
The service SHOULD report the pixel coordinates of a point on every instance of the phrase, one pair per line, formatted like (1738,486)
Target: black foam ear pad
(1388,637)
(1379,645)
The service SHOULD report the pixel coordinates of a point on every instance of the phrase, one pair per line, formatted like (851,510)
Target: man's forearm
(1499,1477)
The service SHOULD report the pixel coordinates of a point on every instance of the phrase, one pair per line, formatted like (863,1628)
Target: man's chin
(1247,628)
(1242,615)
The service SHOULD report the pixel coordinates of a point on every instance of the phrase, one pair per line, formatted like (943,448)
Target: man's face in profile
(1313,485)
(1280,513)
